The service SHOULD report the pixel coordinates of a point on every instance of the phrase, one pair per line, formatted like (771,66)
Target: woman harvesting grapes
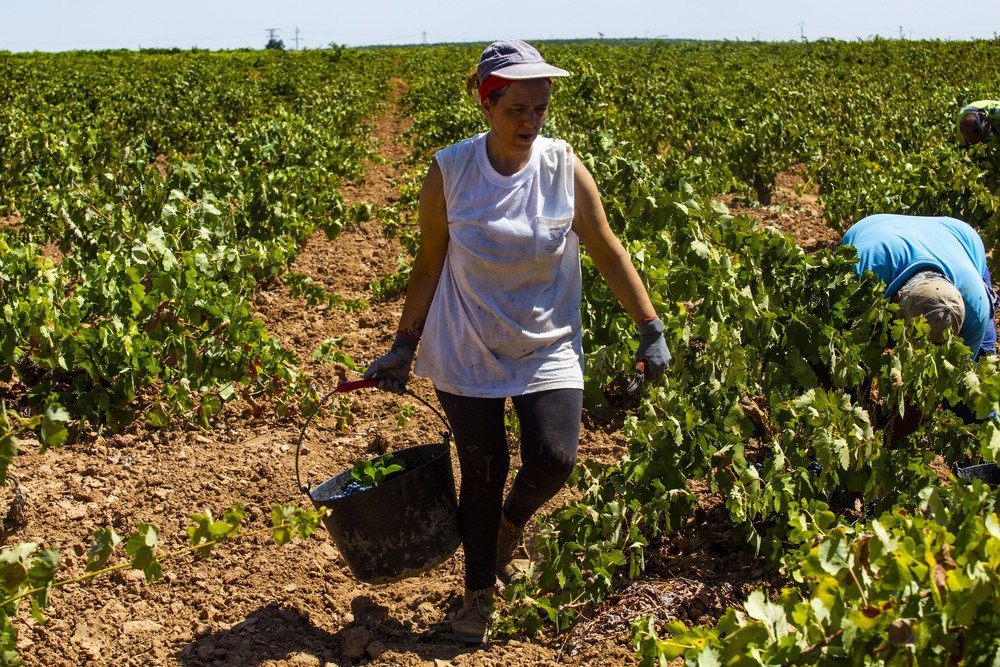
(495,294)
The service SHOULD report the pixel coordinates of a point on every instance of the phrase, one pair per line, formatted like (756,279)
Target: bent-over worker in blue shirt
(933,267)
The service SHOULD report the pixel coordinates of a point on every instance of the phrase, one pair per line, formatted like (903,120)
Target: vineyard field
(197,247)
(257,603)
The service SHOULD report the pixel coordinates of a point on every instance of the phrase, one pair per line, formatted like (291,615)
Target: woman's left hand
(613,261)
(653,350)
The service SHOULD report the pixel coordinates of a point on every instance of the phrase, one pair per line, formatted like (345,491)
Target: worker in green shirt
(977,121)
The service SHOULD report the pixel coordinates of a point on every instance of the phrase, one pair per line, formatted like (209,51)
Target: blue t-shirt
(894,247)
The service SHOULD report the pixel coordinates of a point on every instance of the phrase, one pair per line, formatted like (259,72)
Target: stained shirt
(505,318)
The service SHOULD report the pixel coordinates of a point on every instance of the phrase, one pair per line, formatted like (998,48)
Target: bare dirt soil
(254,603)
(799,215)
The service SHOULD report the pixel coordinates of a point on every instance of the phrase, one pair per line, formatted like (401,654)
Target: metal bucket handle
(350,386)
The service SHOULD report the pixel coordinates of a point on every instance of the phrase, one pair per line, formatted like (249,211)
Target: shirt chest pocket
(550,236)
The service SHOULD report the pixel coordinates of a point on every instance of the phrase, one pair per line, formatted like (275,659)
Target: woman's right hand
(393,369)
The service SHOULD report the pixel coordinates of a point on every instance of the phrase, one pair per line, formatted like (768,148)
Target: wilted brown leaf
(901,631)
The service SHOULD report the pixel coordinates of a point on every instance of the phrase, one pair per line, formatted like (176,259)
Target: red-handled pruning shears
(640,372)
(357,384)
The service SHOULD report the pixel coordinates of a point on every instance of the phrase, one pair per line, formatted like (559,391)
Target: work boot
(472,622)
(508,542)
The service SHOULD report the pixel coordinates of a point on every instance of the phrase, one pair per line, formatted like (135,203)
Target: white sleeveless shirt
(505,319)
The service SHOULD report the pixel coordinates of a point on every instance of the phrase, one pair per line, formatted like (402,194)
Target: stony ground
(254,603)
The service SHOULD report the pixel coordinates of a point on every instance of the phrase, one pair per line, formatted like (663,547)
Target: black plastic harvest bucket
(988,473)
(404,526)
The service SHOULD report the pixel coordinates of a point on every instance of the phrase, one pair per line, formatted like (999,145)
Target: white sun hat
(930,295)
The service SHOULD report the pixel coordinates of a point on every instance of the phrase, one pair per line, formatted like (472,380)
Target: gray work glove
(652,350)
(393,369)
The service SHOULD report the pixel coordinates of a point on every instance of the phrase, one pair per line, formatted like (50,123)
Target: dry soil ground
(254,603)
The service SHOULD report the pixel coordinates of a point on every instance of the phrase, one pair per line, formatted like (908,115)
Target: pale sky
(64,25)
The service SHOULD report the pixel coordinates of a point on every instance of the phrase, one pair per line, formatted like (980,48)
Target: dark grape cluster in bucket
(351,489)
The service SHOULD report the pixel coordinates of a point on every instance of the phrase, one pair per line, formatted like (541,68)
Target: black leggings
(550,435)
